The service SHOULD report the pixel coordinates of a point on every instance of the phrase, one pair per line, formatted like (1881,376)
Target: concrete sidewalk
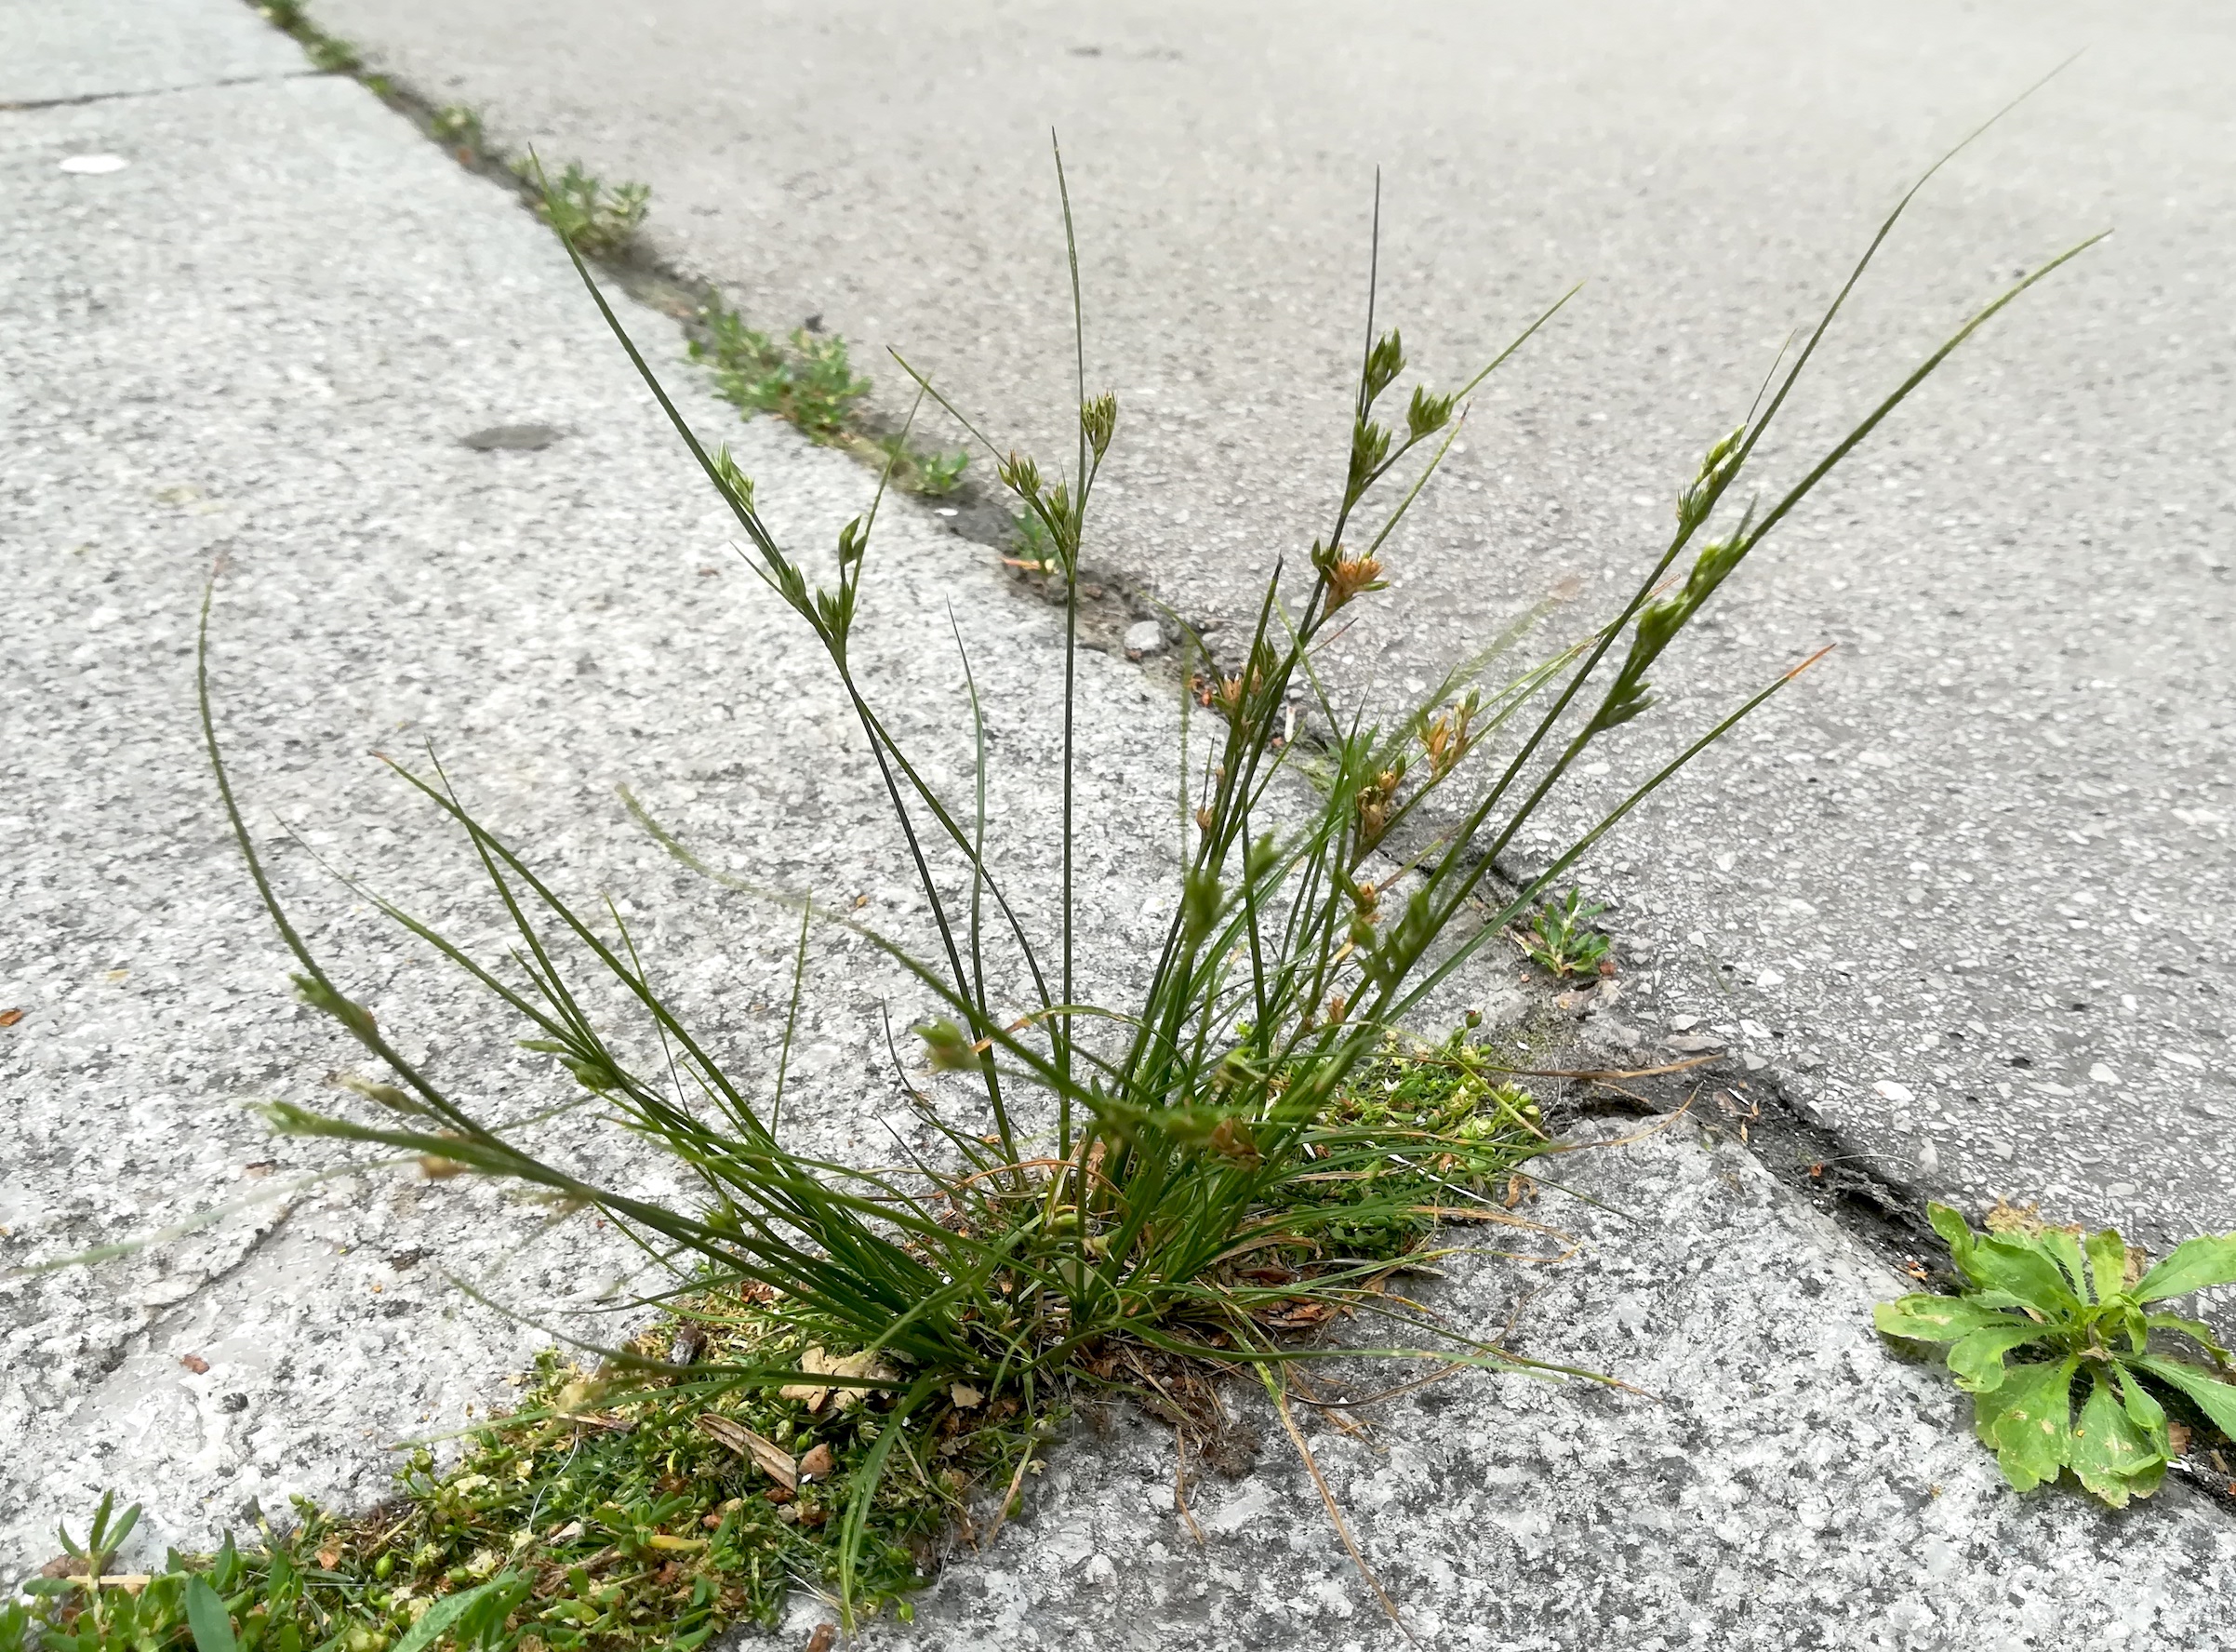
(264,336)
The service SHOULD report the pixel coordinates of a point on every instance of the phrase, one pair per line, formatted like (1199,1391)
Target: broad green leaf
(446,1612)
(2135,1325)
(2110,1455)
(2192,1265)
(2066,1250)
(1932,1319)
(2195,1329)
(2010,1262)
(2107,1261)
(1956,1233)
(207,1617)
(2028,1420)
(2147,1414)
(1976,1362)
(225,1565)
(2207,1393)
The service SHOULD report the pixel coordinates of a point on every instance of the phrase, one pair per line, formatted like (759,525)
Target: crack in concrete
(26,105)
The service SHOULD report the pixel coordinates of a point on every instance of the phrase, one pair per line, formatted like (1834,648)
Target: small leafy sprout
(460,129)
(810,380)
(102,1540)
(1563,941)
(327,52)
(1031,546)
(812,384)
(597,220)
(2074,1311)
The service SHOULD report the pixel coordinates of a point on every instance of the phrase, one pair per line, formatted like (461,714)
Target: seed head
(733,481)
(1099,418)
(1349,576)
(1021,475)
(1445,739)
(1425,414)
(1384,363)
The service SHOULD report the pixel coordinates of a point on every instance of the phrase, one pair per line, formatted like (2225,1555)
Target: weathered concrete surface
(108,49)
(1980,856)
(265,337)
(1788,1486)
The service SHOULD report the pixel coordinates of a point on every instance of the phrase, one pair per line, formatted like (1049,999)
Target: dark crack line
(81,99)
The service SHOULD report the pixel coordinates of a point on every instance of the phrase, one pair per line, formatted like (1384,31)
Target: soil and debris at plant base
(617,1508)
(620,1513)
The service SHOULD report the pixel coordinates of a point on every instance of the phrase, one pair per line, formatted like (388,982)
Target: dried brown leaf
(766,1455)
(818,1363)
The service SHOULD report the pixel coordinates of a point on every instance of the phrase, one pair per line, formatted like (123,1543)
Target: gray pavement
(265,335)
(1962,895)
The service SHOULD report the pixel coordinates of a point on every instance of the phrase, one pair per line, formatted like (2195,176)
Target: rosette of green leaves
(2083,1387)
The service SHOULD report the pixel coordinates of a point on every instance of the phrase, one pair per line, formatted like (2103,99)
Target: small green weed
(1447,1125)
(1033,549)
(325,51)
(1563,941)
(810,382)
(598,220)
(2072,1308)
(932,474)
(459,129)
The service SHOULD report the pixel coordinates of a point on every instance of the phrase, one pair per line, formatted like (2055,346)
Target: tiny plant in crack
(2074,1316)
(812,383)
(329,52)
(458,129)
(1563,941)
(811,380)
(597,218)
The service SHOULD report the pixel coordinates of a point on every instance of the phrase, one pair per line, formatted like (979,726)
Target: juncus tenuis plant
(1195,1126)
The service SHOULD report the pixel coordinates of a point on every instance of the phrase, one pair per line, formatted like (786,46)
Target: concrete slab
(1964,880)
(101,49)
(266,339)
(1787,1486)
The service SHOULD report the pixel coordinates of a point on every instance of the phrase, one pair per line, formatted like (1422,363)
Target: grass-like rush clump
(627,1507)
